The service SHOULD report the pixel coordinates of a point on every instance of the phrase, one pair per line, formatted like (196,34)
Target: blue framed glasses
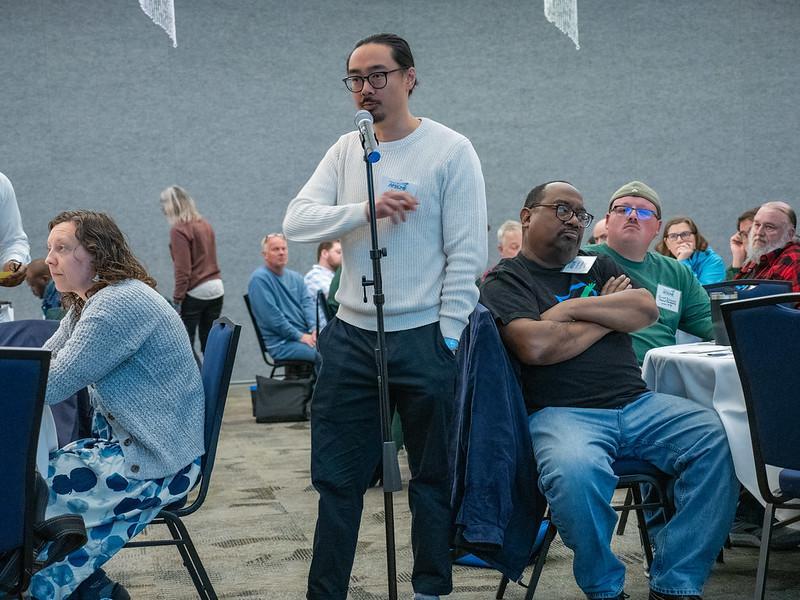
(643,214)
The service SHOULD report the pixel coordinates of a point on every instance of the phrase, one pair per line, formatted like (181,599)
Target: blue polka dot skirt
(85,477)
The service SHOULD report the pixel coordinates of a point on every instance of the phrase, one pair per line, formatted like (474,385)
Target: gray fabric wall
(97,110)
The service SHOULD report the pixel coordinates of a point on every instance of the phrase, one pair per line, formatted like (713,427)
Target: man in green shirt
(633,222)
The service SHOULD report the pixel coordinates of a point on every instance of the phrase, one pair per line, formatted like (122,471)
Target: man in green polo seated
(633,222)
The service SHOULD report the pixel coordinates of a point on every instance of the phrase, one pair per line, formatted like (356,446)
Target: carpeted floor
(255,534)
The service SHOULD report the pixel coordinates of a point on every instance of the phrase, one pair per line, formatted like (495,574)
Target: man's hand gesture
(393,204)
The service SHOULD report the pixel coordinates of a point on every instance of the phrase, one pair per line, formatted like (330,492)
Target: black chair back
(751,288)
(765,338)
(322,305)
(261,343)
(23,372)
(221,346)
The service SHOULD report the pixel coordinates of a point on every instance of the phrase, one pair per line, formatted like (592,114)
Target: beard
(378,115)
(754,253)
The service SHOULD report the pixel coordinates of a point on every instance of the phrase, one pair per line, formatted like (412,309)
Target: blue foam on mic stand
(374,156)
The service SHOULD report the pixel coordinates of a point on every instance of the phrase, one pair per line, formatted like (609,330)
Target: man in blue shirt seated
(283,309)
(42,285)
(567,317)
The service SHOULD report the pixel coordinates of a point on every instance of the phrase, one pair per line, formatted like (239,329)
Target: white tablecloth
(707,373)
(48,441)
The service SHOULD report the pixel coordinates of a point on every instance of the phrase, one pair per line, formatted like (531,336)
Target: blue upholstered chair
(765,338)
(73,416)
(223,340)
(751,288)
(23,373)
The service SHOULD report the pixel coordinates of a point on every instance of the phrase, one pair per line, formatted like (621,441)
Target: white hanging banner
(162,12)
(564,15)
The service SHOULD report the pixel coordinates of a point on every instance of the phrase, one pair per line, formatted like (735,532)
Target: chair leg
(623,516)
(501,589)
(538,564)
(644,536)
(541,557)
(205,590)
(763,555)
(187,559)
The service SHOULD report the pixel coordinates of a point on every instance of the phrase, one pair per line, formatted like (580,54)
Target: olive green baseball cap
(640,190)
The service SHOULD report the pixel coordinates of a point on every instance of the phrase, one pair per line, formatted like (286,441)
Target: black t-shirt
(605,375)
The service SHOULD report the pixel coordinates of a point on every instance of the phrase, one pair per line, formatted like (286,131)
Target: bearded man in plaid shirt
(772,250)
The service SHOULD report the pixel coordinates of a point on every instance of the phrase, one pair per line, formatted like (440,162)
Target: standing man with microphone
(430,203)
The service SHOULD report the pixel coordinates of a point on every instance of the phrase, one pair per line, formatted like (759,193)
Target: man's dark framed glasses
(564,213)
(643,214)
(377,79)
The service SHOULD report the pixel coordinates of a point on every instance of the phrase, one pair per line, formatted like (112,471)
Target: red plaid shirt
(781,264)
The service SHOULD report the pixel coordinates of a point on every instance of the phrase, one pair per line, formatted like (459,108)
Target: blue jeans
(346,449)
(574,450)
(294,351)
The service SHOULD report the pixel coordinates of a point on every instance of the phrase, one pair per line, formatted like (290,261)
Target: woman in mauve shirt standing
(198,287)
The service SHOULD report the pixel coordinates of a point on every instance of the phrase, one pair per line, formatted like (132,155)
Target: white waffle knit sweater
(433,257)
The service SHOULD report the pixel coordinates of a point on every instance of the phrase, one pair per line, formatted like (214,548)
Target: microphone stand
(391,469)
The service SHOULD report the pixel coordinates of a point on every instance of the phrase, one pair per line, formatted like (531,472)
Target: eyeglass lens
(641,213)
(377,80)
(564,213)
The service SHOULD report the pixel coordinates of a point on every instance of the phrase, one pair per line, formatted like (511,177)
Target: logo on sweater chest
(389,184)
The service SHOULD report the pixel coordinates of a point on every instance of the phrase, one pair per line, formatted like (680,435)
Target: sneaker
(419,596)
(748,535)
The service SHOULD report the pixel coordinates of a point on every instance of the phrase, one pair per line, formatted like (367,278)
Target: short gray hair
(783,207)
(509,225)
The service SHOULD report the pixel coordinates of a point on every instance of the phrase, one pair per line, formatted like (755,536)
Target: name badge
(668,298)
(388,184)
(579,265)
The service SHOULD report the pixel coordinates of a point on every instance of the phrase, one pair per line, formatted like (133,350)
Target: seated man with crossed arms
(567,316)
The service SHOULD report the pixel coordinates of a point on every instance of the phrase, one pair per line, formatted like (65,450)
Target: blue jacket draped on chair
(497,506)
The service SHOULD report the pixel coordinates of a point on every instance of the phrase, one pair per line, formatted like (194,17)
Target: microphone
(363,123)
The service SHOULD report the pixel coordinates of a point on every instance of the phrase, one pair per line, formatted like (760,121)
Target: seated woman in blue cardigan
(128,345)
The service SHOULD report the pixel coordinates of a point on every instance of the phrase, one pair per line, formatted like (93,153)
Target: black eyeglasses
(681,235)
(643,214)
(565,212)
(377,79)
